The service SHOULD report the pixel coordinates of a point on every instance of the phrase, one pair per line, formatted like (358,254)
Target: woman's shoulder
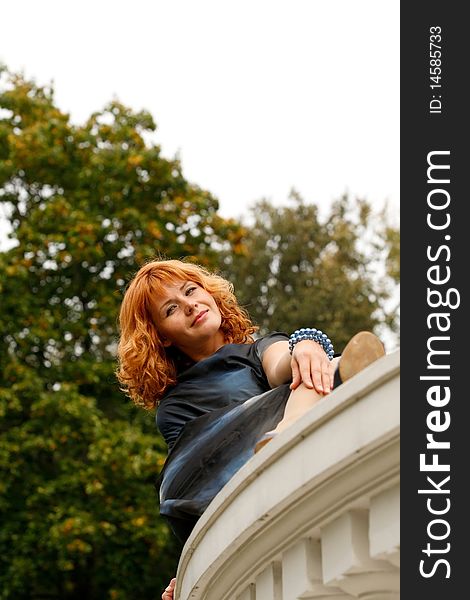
(228,357)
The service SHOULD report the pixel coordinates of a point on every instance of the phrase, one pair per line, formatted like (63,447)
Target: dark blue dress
(211,420)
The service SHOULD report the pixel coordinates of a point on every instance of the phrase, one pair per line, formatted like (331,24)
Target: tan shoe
(362,349)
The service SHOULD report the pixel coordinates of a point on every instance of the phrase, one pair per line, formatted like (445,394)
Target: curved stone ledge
(315,514)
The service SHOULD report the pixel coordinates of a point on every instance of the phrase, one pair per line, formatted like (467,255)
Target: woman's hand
(312,367)
(168,593)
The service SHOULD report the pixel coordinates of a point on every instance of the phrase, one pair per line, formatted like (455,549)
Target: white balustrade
(268,583)
(346,558)
(302,573)
(384,522)
(315,514)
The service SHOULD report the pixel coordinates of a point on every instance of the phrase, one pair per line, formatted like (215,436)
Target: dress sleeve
(264,342)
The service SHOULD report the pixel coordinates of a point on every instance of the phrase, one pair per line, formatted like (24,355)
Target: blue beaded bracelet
(308,333)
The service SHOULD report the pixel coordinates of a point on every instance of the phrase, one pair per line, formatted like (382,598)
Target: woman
(187,348)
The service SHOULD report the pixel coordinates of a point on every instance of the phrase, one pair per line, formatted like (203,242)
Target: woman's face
(187,316)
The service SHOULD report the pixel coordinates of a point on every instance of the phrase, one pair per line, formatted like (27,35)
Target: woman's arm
(308,364)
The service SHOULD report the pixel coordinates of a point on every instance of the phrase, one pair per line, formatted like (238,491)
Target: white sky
(256,96)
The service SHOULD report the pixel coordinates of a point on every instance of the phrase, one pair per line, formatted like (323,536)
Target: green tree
(78,512)
(87,205)
(299,270)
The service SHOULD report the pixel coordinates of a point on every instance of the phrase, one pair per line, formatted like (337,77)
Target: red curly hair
(146,368)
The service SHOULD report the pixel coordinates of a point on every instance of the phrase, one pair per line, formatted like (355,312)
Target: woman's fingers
(168,593)
(318,378)
(311,366)
(295,375)
(310,377)
(321,379)
(326,380)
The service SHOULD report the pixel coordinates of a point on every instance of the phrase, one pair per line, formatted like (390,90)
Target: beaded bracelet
(316,335)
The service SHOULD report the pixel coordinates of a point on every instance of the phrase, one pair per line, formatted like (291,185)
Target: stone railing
(315,514)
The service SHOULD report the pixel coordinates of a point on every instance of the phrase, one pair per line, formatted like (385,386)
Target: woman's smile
(200,317)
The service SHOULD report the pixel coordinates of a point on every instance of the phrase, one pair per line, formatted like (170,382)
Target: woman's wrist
(316,335)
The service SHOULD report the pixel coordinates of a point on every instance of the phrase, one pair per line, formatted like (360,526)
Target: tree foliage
(88,204)
(78,513)
(299,270)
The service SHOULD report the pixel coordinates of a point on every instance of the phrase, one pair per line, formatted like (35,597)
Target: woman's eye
(170,310)
(190,290)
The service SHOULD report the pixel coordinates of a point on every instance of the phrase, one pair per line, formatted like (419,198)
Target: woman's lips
(200,316)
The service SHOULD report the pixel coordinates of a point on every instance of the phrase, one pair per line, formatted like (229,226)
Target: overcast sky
(256,96)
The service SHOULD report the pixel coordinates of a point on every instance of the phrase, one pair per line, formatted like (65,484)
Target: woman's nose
(190,307)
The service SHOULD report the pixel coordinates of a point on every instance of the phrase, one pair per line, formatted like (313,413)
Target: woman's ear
(166,343)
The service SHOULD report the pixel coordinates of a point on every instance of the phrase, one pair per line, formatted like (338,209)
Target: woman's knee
(304,395)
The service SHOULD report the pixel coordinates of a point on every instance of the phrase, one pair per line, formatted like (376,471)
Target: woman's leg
(299,402)
(361,350)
